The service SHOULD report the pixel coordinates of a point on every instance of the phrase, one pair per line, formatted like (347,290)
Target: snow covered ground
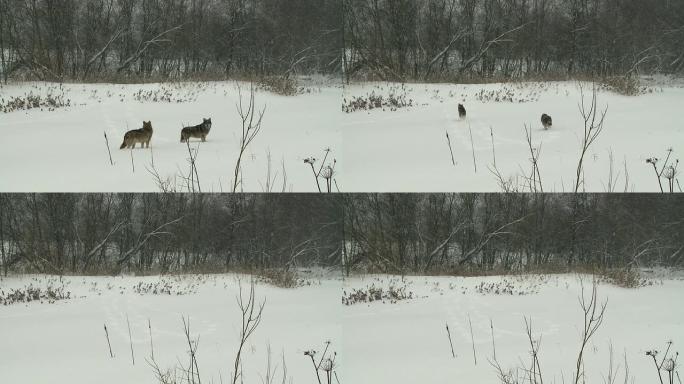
(378,342)
(406,342)
(64,149)
(385,151)
(65,342)
(407,150)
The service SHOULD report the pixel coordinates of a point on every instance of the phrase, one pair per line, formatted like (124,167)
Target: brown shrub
(623,85)
(282,278)
(625,278)
(281,85)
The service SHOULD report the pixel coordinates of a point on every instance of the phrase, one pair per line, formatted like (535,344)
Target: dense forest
(393,233)
(386,39)
(150,233)
(461,233)
(160,39)
(460,39)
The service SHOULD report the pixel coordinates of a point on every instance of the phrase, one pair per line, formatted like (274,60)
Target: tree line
(461,233)
(159,233)
(461,39)
(159,39)
(392,233)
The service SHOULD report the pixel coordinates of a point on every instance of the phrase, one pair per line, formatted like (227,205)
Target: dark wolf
(142,136)
(546,121)
(461,111)
(198,131)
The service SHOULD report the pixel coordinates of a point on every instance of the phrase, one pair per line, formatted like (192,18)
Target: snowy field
(407,150)
(378,342)
(65,342)
(64,149)
(385,151)
(406,342)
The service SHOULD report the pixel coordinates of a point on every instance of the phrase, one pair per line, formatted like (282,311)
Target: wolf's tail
(123,145)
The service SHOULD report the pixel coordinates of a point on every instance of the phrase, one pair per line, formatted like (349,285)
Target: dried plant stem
(535,373)
(626,176)
(130,339)
(108,150)
(535,180)
(192,349)
(472,339)
(655,362)
(111,355)
(593,126)
(491,134)
(251,312)
(251,126)
(315,368)
(472,146)
(149,326)
(593,317)
(313,170)
(194,175)
(450,342)
(491,326)
(450,149)
(655,169)
(132,163)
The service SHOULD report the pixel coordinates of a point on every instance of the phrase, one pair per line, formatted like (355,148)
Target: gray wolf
(546,121)
(198,131)
(142,136)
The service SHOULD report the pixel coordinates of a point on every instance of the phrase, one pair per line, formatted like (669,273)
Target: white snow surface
(65,342)
(406,150)
(377,151)
(64,150)
(406,342)
(379,342)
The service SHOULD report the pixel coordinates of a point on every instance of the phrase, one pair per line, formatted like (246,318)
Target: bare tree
(251,126)
(143,238)
(251,312)
(593,318)
(593,126)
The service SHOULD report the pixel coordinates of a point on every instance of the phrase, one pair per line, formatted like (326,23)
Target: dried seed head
(327,365)
(327,172)
(669,172)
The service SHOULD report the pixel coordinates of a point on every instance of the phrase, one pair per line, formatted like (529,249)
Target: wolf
(546,121)
(142,136)
(461,111)
(198,131)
